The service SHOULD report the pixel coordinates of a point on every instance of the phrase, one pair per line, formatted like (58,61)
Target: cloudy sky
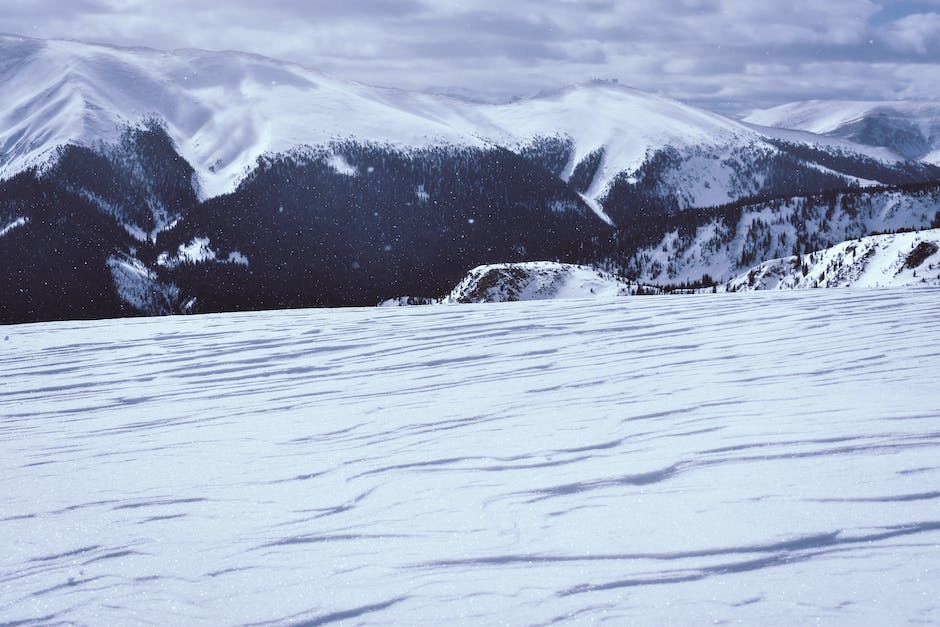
(727,55)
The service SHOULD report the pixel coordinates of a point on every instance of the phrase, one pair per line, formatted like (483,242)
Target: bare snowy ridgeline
(909,128)
(756,458)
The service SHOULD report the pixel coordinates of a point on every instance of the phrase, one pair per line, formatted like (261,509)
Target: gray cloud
(723,54)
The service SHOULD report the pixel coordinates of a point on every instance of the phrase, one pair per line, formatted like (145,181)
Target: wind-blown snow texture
(768,458)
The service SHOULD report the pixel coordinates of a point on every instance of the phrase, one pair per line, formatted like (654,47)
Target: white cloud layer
(724,54)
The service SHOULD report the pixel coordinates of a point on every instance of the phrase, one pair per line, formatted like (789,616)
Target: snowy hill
(911,129)
(891,260)
(620,129)
(533,280)
(724,242)
(761,459)
(537,280)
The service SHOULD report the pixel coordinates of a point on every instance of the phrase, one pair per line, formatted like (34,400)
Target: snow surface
(890,260)
(763,458)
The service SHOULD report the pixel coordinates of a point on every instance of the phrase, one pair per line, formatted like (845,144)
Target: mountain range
(137,181)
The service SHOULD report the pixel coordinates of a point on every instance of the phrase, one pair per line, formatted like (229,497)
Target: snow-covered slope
(222,110)
(531,280)
(627,125)
(765,458)
(537,280)
(727,243)
(906,127)
(891,260)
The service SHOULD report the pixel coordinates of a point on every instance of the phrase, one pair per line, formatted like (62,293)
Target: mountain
(890,260)
(143,181)
(911,129)
(221,110)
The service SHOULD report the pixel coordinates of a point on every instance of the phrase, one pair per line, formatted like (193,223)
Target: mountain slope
(222,110)
(891,260)
(911,129)
(724,241)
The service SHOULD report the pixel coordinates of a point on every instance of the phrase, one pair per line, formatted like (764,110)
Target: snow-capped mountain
(223,110)
(890,260)
(911,129)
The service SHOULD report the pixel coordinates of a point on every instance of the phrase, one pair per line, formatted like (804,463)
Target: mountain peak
(909,128)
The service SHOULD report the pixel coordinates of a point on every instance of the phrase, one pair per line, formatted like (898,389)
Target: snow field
(767,458)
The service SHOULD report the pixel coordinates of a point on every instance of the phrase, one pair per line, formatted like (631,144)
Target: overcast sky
(727,55)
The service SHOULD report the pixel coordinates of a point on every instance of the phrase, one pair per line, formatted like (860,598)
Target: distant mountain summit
(911,129)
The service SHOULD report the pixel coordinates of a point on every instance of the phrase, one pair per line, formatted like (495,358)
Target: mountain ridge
(910,128)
